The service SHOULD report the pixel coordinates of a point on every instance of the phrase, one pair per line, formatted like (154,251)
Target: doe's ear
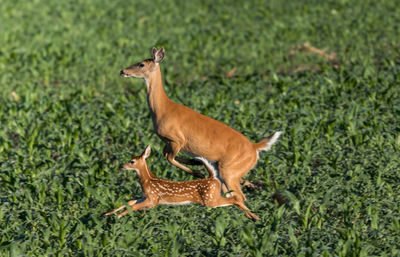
(153,53)
(146,152)
(159,55)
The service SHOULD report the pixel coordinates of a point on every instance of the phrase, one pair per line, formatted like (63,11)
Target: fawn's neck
(156,97)
(145,175)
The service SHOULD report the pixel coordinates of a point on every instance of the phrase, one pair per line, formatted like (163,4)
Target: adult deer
(183,129)
(157,191)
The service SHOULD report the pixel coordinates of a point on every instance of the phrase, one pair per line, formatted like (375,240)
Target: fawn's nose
(121,72)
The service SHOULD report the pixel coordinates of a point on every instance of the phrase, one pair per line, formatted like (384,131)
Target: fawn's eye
(141,65)
(132,162)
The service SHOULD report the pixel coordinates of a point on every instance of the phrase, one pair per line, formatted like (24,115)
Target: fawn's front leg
(139,206)
(171,149)
(130,203)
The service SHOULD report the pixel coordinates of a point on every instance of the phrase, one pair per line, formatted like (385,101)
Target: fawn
(161,191)
(183,129)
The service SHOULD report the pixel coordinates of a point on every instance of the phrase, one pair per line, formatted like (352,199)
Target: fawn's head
(138,163)
(144,68)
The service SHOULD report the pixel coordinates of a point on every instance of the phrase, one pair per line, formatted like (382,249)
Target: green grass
(68,122)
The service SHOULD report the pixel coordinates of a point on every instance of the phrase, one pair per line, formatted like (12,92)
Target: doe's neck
(156,96)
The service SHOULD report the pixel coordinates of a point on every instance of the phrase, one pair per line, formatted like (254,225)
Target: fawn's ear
(158,55)
(146,152)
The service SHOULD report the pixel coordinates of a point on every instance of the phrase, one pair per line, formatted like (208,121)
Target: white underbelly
(176,203)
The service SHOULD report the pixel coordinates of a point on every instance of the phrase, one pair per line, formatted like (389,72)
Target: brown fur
(161,191)
(183,129)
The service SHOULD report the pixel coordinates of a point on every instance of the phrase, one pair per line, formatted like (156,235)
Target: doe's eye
(132,162)
(141,65)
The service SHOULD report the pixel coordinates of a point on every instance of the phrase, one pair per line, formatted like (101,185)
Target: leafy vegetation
(327,73)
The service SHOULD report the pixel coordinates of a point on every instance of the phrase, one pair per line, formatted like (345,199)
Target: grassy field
(327,73)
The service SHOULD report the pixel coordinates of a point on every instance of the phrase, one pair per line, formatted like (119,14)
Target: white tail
(211,171)
(268,142)
(183,129)
(161,191)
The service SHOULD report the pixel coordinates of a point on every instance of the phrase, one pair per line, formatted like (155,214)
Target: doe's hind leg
(232,170)
(234,186)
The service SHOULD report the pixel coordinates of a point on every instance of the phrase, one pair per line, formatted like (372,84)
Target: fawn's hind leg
(232,201)
(216,200)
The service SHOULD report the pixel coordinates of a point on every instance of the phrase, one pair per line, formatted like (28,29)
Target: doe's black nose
(121,72)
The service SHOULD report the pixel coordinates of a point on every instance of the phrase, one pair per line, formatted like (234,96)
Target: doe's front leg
(188,161)
(171,149)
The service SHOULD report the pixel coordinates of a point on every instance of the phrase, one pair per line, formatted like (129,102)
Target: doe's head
(144,68)
(138,162)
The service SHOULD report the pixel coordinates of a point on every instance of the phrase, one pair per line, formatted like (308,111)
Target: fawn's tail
(211,171)
(266,143)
